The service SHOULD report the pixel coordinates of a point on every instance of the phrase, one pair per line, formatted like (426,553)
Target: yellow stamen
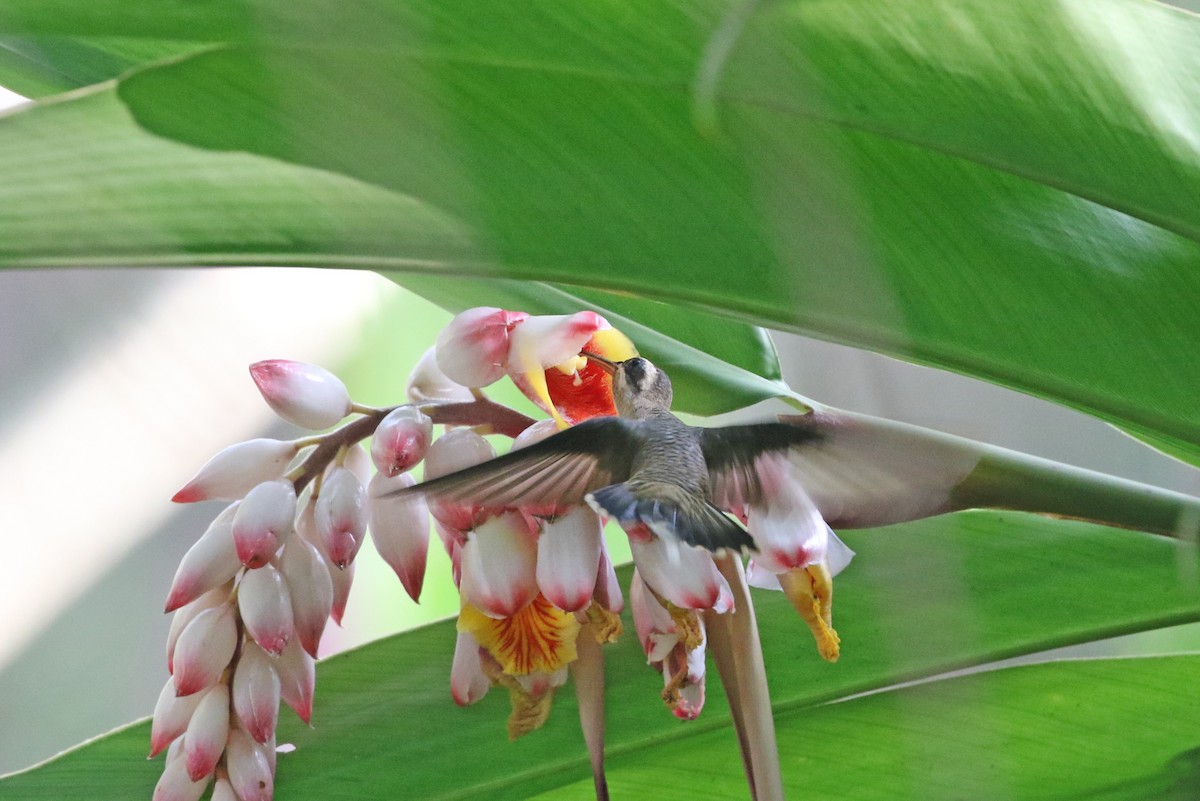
(541,637)
(810,589)
(687,626)
(528,712)
(605,625)
(679,680)
(572,365)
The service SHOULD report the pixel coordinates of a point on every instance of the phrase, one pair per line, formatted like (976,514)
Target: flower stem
(734,642)
(588,670)
(494,417)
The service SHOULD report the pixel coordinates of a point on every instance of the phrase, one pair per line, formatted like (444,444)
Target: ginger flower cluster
(538,591)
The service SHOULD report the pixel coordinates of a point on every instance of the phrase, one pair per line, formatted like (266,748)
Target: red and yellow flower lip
(581,387)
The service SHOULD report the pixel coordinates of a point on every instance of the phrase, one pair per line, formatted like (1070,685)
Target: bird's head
(638,386)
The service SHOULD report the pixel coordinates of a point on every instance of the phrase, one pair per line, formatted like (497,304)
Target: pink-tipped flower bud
(311,588)
(400,530)
(250,771)
(204,650)
(185,614)
(223,790)
(341,516)
(263,521)
(207,732)
(234,471)
(428,384)
(343,580)
(297,680)
(454,450)
(304,394)
(210,562)
(499,566)
(341,577)
(568,557)
(681,574)
(256,694)
(472,349)
(401,440)
(266,607)
(468,683)
(175,784)
(171,717)
(547,341)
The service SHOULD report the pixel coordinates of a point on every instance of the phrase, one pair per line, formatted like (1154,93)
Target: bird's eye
(635,371)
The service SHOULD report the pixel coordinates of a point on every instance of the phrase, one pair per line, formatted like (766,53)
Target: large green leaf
(921,599)
(1004,190)
(1040,732)
(211,208)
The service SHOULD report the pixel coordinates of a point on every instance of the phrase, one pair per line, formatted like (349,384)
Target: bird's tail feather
(700,524)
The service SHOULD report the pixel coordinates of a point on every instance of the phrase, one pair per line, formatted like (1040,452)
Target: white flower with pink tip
(303,394)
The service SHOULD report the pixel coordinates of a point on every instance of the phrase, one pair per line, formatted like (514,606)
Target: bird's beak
(608,366)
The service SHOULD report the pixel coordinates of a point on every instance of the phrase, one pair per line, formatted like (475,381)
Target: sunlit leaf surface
(920,599)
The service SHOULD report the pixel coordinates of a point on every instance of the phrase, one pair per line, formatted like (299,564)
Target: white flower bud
(206,733)
(297,680)
(304,394)
(499,564)
(428,384)
(342,516)
(256,694)
(175,784)
(401,440)
(472,349)
(266,607)
(311,588)
(250,771)
(263,521)
(568,558)
(171,716)
(185,614)
(234,471)
(467,680)
(204,650)
(210,562)
(400,530)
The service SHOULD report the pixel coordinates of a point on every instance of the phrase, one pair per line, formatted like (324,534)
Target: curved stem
(482,412)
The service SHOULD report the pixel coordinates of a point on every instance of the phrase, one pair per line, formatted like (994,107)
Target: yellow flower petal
(541,637)
(612,345)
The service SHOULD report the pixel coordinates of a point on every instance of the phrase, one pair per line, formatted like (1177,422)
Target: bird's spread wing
(734,456)
(562,468)
(859,471)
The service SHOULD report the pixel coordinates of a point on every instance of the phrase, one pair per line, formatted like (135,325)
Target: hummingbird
(644,468)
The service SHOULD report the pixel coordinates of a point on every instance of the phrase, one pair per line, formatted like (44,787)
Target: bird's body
(645,468)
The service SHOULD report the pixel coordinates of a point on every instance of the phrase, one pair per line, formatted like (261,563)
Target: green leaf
(921,599)
(1005,191)
(1015,733)
(37,66)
